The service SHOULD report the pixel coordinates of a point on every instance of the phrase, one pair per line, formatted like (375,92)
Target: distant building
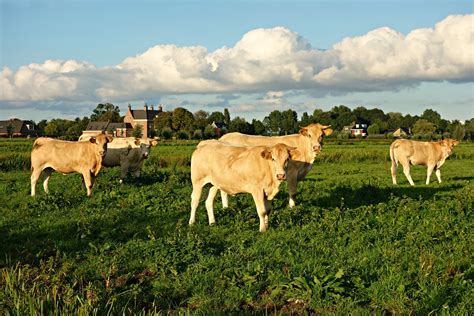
(115,129)
(357,128)
(399,132)
(132,118)
(143,117)
(20,128)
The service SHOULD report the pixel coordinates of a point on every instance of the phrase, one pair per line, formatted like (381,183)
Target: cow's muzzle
(317,148)
(281,176)
(145,155)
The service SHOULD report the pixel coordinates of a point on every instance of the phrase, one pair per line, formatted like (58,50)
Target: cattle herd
(236,163)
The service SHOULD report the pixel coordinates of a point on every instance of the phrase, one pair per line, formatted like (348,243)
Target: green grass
(354,243)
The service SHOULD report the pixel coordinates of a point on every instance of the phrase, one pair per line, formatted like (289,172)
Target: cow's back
(257,140)
(417,153)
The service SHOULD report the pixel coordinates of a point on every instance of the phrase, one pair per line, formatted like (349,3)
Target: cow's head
(145,146)
(101,142)
(315,134)
(279,155)
(449,144)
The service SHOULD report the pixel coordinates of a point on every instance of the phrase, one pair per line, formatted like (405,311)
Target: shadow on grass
(368,194)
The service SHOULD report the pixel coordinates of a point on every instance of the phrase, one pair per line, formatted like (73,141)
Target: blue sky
(101,35)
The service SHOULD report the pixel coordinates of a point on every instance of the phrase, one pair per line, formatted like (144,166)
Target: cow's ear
(456,142)
(266,154)
(327,131)
(304,131)
(294,153)
(92,140)
(109,139)
(137,141)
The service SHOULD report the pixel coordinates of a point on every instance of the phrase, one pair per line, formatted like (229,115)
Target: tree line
(183,124)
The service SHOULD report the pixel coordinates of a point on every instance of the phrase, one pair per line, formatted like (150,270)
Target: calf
(430,154)
(234,169)
(50,155)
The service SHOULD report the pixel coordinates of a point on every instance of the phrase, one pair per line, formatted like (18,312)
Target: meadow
(353,244)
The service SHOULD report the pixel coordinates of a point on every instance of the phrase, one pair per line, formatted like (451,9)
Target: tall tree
(289,122)
(226,117)
(200,119)
(182,119)
(423,126)
(258,127)
(273,122)
(305,119)
(162,121)
(106,112)
(216,117)
(432,116)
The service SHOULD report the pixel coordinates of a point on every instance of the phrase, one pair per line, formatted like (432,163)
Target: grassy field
(354,243)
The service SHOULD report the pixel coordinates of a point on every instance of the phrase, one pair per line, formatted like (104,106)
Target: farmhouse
(142,117)
(357,128)
(399,132)
(132,118)
(18,128)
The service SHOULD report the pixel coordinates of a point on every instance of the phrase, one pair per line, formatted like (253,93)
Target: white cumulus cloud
(274,59)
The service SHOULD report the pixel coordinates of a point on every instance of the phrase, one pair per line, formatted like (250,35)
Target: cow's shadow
(369,194)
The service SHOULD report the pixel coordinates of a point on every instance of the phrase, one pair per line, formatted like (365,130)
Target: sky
(62,58)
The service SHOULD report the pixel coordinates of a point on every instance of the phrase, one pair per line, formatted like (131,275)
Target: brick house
(142,117)
(115,129)
(20,128)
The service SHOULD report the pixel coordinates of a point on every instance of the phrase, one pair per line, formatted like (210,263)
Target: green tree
(200,119)
(106,112)
(239,124)
(258,127)
(216,117)
(433,117)
(373,129)
(182,120)
(423,126)
(273,122)
(305,119)
(289,122)
(137,131)
(10,128)
(162,121)
(226,117)
(469,129)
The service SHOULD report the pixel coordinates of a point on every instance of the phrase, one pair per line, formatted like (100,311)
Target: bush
(376,136)
(389,135)
(182,135)
(166,133)
(343,135)
(209,132)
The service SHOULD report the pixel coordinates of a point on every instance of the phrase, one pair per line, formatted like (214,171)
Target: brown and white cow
(128,153)
(430,154)
(308,142)
(50,155)
(258,170)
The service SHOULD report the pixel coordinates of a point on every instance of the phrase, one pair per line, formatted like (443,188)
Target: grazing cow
(128,153)
(430,154)
(50,155)
(308,142)
(257,170)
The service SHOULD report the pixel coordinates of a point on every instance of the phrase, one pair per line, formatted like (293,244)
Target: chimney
(129,107)
(145,108)
(152,108)
(160,108)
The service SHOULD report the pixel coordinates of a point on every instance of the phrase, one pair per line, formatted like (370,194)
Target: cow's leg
(406,171)
(88,182)
(394,171)
(268,207)
(35,174)
(195,196)
(47,174)
(259,199)
(225,199)
(438,175)
(429,171)
(210,204)
(292,182)
(123,171)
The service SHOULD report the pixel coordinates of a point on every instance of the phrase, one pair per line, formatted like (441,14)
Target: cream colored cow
(430,154)
(257,170)
(308,142)
(50,155)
